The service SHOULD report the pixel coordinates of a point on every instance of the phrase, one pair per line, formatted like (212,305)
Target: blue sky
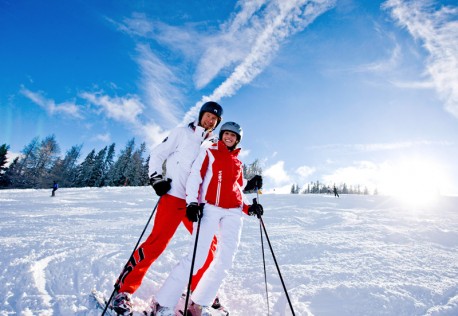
(361,92)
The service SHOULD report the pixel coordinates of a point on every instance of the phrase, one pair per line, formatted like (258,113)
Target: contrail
(277,20)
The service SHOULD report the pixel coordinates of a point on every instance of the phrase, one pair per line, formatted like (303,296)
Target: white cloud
(305,171)
(277,173)
(67,108)
(394,177)
(244,153)
(160,85)
(360,173)
(382,146)
(103,137)
(122,109)
(384,65)
(137,25)
(153,134)
(437,29)
(427,84)
(10,156)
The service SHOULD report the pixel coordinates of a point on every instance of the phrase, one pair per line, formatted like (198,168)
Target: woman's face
(229,138)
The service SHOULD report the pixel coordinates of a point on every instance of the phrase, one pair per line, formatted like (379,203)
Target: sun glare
(415,181)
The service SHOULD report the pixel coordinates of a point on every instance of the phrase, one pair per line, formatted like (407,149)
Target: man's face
(209,121)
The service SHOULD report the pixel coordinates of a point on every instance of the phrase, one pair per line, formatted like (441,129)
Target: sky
(357,92)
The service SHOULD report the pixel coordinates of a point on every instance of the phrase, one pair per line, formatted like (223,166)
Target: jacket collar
(222,146)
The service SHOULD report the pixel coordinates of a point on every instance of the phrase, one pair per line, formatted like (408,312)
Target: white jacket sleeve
(195,178)
(162,151)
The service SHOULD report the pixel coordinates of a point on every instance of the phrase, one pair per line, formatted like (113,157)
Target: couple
(200,170)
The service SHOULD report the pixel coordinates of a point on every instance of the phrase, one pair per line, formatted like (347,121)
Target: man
(179,150)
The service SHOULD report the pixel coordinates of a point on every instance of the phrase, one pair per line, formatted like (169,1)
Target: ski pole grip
(201,210)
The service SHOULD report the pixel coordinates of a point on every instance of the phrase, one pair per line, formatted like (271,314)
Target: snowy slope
(357,255)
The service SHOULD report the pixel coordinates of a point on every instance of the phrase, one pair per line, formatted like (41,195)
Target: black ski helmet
(231,127)
(211,107)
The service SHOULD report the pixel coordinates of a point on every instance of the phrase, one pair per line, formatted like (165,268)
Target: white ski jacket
(179,150)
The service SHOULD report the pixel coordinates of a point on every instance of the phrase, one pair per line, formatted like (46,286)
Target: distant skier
(336,194)
(55,186)
(216,179)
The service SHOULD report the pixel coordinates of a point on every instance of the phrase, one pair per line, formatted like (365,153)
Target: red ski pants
(170,212)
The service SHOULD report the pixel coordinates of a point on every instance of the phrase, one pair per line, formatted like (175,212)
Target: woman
(216,181)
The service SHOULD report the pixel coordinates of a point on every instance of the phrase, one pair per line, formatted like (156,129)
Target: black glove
(194,211)
(255,209)
(254,183)
(159,184)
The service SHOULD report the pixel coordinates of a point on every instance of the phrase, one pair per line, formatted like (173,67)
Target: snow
(357,255)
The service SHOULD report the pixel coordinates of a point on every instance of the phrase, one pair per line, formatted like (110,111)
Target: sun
(415,181)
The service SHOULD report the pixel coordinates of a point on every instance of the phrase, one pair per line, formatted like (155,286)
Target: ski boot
(122,304)
(199,310)
(164,311)
(220,308)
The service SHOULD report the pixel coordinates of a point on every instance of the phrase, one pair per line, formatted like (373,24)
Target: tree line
(41,163)
(320,188)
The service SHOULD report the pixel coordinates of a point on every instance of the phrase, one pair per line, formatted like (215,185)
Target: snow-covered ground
(357,255)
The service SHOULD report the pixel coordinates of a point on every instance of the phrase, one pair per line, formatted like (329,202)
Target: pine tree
(11,174)
(20,177)
(134,169)
(85,170)
(252,169)
(3,160)
(64,170)
(107,165)
(96,176)
(117,174)
(39,166)
(145,172)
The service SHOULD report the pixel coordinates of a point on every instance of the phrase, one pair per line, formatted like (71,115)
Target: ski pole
(192,261)
(263,255)
(276,264)
(116,286)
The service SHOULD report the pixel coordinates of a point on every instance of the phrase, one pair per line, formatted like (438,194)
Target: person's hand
(254,183)
(159,184)
(255,209)
(194,211)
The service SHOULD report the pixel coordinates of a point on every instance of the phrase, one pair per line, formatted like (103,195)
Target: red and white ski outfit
(179,149)
(216,179)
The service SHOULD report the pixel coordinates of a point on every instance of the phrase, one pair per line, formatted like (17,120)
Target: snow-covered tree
(117,174)
(64,170)
(107,164)
(134,169)
(3,160)
(249,171)
(84,170)
(37,163)
(96,176)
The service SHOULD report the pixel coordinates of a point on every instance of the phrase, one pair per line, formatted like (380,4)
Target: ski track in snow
(357,255)
(39,277)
